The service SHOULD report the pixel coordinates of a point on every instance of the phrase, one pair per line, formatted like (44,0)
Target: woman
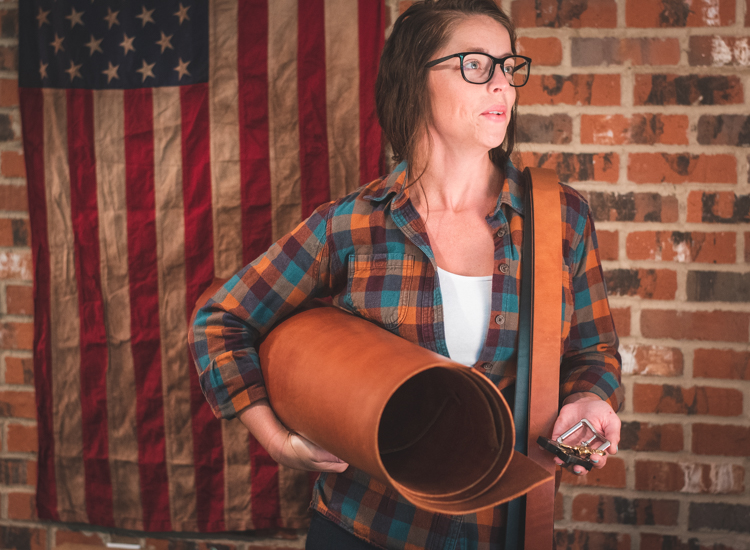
(439,240)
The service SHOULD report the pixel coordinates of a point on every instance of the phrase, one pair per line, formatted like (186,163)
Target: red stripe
(199,271)
(32,118)
(144,307)
(93,340)
(264,489)
(371,38)
(311,90)
(255,169)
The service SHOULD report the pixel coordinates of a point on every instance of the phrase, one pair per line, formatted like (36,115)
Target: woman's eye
(472,65)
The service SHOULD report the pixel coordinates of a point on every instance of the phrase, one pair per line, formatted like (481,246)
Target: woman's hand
(602,418)
(287,448)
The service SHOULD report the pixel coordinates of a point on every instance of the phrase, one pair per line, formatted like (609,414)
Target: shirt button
(500,319)
(501,232)
(504,268)
(487,366)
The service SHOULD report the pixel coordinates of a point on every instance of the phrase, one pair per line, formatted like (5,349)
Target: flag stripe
(144,298)
(342,95)
(371,38)
(64,320)
(283,117)
(252,61)
(237,474)
(225,137)
(292,484)
(176,364)
(264,491)
(199,270)
(313,129)
(84,214)
(32,113)
(113,244)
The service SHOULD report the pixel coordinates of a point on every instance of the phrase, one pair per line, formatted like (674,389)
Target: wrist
(581,396)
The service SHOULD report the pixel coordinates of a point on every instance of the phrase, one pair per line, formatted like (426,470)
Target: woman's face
(464,114)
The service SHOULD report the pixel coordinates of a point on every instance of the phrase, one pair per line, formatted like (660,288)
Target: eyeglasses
(478,68)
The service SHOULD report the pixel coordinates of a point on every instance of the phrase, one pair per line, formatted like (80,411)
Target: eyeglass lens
(477,68)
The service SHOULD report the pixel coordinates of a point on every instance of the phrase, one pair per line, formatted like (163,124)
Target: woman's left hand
(602,418)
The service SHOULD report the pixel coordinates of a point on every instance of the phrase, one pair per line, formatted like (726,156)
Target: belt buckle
(575,455)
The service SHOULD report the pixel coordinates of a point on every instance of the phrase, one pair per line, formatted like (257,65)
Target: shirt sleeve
(591,362)
(225,331)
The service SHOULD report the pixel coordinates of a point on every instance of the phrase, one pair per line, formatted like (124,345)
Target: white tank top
(466,314)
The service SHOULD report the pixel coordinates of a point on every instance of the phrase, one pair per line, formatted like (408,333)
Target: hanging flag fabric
(168,143)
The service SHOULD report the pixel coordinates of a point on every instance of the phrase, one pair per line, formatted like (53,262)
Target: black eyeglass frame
(495,61)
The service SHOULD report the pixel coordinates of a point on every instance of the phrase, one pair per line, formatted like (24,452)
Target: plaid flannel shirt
(370,252)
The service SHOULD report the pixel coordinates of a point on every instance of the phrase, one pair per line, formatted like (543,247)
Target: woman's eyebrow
(484,50)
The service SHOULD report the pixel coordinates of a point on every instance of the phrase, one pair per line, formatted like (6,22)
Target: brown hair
(401,94)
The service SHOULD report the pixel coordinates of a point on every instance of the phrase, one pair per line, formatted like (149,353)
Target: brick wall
(640,104)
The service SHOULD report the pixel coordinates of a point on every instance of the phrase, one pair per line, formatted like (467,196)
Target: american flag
(168,143)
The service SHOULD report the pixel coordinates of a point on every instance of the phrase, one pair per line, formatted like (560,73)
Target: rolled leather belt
(438,432)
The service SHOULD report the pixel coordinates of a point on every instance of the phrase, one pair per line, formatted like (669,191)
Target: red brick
(575,89)
(13,198)
(723,440)
(612,475)
(22,506)
(556,129)
(621,317)
(19,370)
(747,247)
(63,536)
(17,404)
(687,477)
(8,92)
(17,537)
(652,541)
(543,51)
(655,284)
(676,13)
(721,363)
(729,130)
(681,168)
(747,13)
(15,265)
(688,90)
(6,232)
(21,232)
(22,438)
(647,129)
(16,335)
(668,399)
(718,51)
(559,506)
(9,58)
(19,300)
(651,360)
(635,51)
(608,244)
(643,436)
(718,207)
(564,13)
(12,164)
(719,326)
(15,471)
(634,207)
(591,540)
(609,509)
(682,247)
(577,166)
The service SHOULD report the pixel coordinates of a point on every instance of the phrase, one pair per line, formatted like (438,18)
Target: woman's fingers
(312,457)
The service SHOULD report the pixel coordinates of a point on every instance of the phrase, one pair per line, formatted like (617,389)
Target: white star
(165,42)
(111,72)
(181,69)
(73,71)
(75,17)
(111,18)
(146,70)
(57,43)
(93,45)
(43,69)
(42,17)
(182,13)
(127,43)
(145,16)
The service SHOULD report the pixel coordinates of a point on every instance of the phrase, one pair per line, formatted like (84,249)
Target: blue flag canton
(109,44)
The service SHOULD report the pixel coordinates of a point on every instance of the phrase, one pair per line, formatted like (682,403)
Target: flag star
(43,69)
(42,17)
(93,45)
(146,70)
(165,42)
(111,18)
(57,43)
(111,72)
(145,16)
(75,17)
(73,71)
(127,43)
(181,69)
(182,13)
